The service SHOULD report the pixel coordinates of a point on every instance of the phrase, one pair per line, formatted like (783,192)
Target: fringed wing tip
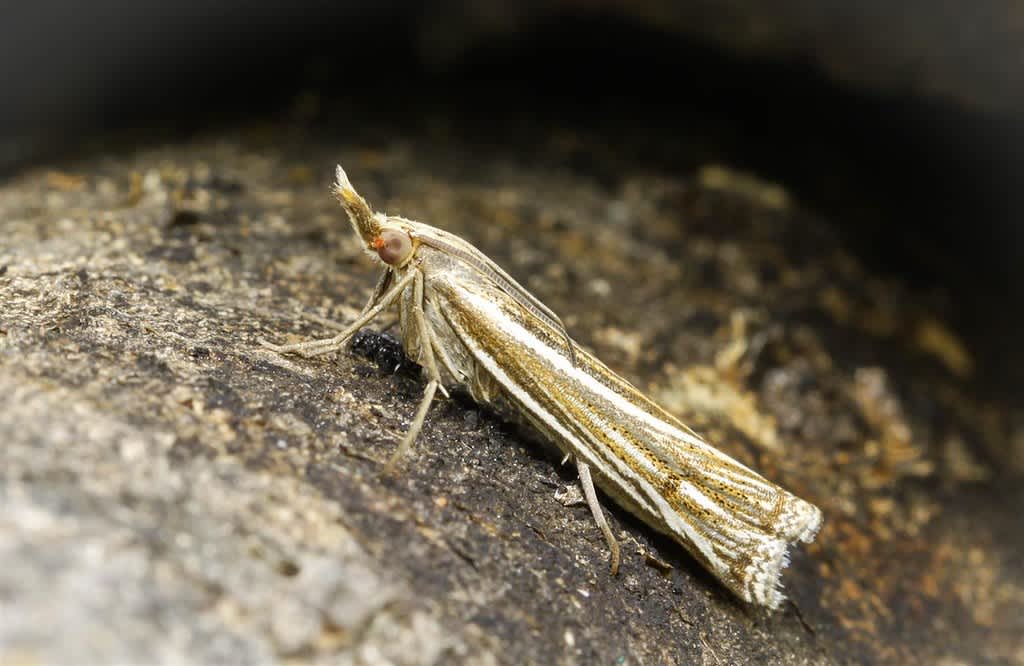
(798,520)
(762,579)
(811,525)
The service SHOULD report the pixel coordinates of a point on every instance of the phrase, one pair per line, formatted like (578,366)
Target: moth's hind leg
(595,508)
(377,302)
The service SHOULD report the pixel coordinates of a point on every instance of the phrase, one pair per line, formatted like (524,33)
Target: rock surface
(174,493)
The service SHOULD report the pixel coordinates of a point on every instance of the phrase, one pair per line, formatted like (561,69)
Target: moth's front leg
(378,290)
(322,346)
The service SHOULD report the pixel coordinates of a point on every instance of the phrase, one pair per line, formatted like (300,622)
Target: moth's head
(393,244)
(384,236)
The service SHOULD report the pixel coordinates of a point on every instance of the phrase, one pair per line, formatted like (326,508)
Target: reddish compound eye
(393,246)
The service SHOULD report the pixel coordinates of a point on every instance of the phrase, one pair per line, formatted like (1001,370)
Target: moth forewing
(467,322)
(735,521)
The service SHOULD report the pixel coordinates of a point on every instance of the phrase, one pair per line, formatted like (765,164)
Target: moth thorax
(393,246)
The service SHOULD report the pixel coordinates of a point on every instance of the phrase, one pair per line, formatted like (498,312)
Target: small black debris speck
(383,349)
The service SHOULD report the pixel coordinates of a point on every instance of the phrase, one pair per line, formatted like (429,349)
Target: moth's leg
(378,290)
(439,353)
(427,343)
(429,364)
(435,351)
(385,321)
(389,320)
(414,427)
(595,508)
(327,345)
(446,362)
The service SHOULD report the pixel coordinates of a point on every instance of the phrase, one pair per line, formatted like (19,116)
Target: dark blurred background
(900,122)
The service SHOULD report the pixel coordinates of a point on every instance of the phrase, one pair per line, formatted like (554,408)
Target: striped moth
(467,322)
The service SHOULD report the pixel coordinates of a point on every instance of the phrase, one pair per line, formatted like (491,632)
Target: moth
(468,323)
